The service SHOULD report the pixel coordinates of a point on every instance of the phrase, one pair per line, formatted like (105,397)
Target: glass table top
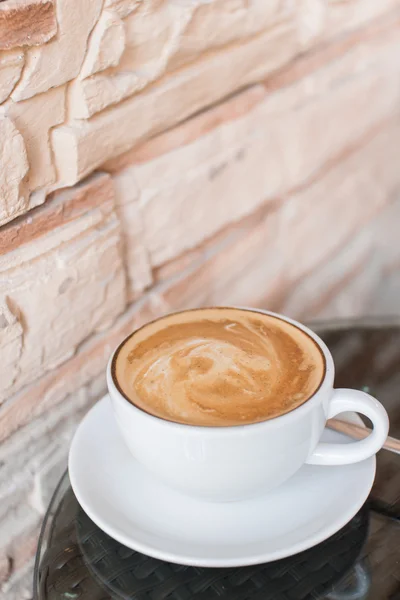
(77,561)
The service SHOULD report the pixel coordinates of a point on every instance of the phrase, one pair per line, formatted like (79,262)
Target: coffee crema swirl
(219,367)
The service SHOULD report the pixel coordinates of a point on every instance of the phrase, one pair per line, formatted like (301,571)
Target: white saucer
(141,513)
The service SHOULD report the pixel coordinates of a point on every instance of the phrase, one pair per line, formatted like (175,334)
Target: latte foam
(218,367)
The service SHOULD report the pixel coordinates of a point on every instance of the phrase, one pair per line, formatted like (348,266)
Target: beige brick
(14,166)
(260,259)
(11,340)
(339,288)
(355,297)
(311,16)
(48,475)
(75,271)
(307,122)
(222,22)
(23,548)
(333,51)
(122,7)
(16,494)
(34,118)
(5,568)
(19,585)
(106,44)
(11,64)
(152,33)
(136,256)
(346,16)
(226,162)
(32,457)
(194,87)
(26,22)
(162,35)
(60,60)
(318,20)
(55,387)
(384,231)
(20,522)
(327,213)
(354,280)
(384,301)
(234,271)
(62,207)
(320,116)
(243,162)
(172,147)
(190,130)
(227,22)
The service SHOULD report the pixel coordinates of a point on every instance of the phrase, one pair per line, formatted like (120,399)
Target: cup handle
(344,454)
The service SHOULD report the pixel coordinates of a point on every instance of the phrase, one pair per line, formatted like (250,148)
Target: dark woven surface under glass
(77,561)
(124,573)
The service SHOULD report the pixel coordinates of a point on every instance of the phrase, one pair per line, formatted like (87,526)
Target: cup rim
(281,420)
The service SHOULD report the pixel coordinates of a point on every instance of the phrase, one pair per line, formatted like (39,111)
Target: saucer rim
(182,559)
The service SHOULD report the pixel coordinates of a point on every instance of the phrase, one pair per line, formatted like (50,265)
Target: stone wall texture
(163,154)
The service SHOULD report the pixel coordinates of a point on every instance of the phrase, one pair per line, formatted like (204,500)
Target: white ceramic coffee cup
(233,463)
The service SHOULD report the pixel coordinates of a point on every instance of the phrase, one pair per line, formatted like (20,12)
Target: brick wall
(162,154)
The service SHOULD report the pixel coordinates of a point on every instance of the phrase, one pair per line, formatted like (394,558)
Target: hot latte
(218,367)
